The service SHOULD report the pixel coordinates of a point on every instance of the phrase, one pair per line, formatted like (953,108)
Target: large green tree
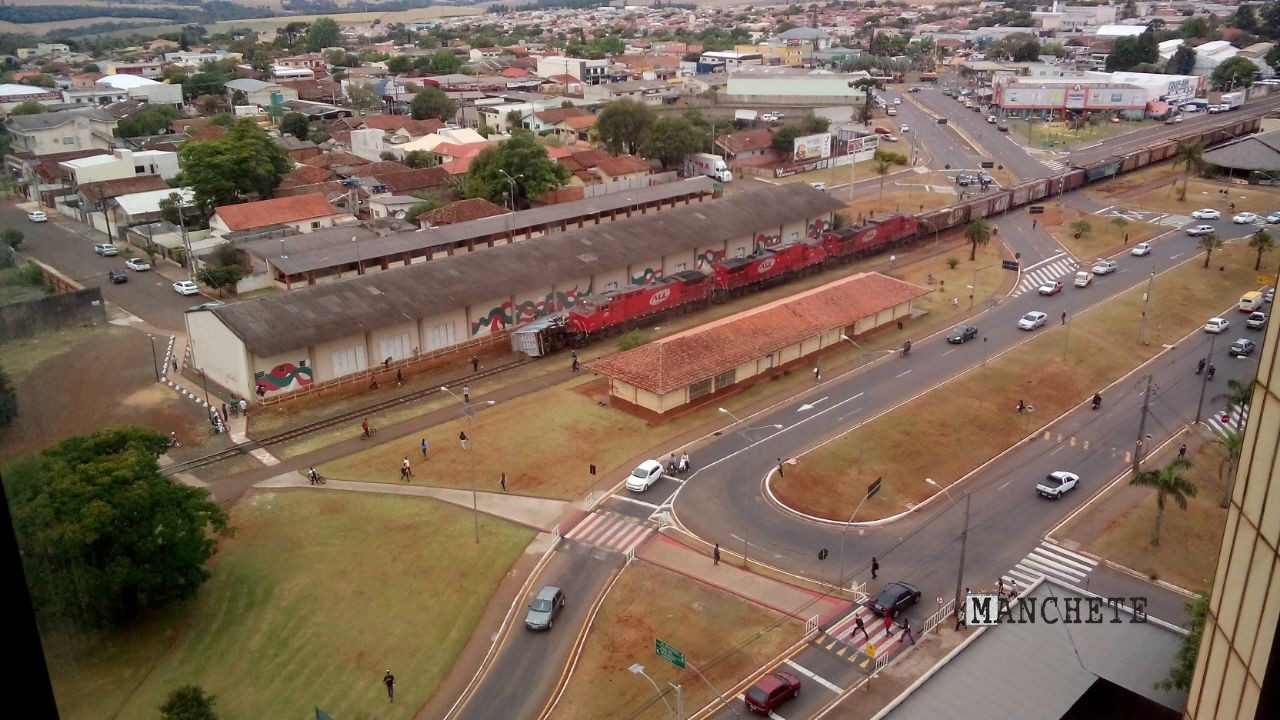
(8,400)
(29,107)
(241,164)
(1182,62)
(1245,18)
(669,140)
(295,124)
(323,33)
(524,160)
(189,702)
(784,140)
(104,535)
(1233,73)
(1261,243)
(431,102)
(1127,52)
(621,125)
(978,233)
(151,120)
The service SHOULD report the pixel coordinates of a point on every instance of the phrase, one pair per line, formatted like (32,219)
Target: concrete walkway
(774,594)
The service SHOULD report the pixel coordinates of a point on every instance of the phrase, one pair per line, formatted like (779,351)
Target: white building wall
(396,341)
(442,331)
(219,352)
(835,85)
(367,143)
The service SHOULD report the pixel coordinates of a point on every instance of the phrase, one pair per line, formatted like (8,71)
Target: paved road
(68,246)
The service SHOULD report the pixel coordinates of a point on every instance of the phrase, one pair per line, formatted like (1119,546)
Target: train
(630,307)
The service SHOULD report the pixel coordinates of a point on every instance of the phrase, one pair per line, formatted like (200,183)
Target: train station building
(704,363)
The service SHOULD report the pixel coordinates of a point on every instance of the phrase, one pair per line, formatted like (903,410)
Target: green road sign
(670,654)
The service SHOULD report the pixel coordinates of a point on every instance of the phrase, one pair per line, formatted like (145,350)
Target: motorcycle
(1200,366)
(1097,402)
(1211,371)
(906,348)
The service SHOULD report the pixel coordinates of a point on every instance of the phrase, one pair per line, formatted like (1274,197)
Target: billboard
(864,148)
(811,147)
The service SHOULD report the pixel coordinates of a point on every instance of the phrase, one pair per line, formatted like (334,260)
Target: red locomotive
(876,235)
(627,306)
(735,275)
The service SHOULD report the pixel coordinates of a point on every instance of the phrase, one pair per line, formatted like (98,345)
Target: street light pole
(746,513)
(204,379)
(964,537)
(469,410)
(1146,302)
(155,363)
(872,489)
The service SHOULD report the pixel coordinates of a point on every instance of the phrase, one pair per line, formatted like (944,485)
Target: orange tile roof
(622,165)
(462,211)
(420,179)
(680,360)
(457,166)
(273,212)
(304,175)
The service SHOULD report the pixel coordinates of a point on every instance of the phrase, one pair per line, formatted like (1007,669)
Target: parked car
(1057,483)
(1245,218)
(818,186)
(37,216)
(771,691)
(1032,320)
(1104,267)
(961,334)
(137,264)
(186,287)
(1198,230)
(1141,249)
(644,476)
(1273,218)
(1242,347)
(1256,320)
(1269,295)
(1053,287)
(546,605)
(117,277)
(897,101)
(889,138)
(1216,325)
(894,598)
(1206,214)
(106,249)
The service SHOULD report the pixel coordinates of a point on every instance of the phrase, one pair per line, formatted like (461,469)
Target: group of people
(1205,367)
(678,465)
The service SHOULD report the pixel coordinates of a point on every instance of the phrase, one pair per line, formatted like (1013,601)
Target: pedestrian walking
(875,567)
(906,631)
(244,407)
(462,439)
(235,406)
(408,469)
(475,364)
(1064,317)
(888,624)
(399,378)
(1033,224)
(424,445)
(1000,587)
(502,481)
(955,302)
(1021,406)
(1126,239)
(466,394)
(780,473)
(574,367)
(224,412)
(1013,589)
(1182,451)
(390,681)
(386,364)
(715,554)
(858,626)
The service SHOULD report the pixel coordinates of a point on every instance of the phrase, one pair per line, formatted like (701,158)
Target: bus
(928,77)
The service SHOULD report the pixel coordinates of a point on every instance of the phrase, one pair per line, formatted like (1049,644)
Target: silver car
(545,607)
(1032,320)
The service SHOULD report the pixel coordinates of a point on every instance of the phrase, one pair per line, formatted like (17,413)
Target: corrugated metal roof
(290,321)
(1256,152)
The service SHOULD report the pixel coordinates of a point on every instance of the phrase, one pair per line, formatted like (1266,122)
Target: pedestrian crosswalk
(610,531)
(844,640)
(1054,165)
(1172,220)
(1052,561)
(1236,416)
(1061,269)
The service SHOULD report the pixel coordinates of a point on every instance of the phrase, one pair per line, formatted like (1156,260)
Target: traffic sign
(1009,265)
(822,554)
(874,487)
(1226,418)
(670,654)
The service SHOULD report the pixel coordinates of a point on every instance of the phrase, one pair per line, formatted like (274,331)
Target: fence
(76,308)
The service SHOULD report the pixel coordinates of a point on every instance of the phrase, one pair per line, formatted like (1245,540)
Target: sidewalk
(773,594)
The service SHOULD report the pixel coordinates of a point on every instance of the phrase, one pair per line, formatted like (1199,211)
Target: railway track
(339,419)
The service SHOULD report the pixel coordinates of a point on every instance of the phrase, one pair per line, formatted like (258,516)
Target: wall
(56,312)
(219,352)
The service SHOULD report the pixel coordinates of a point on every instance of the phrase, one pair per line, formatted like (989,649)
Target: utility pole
(1142,427)
(964,540)
(1204,380)
(1146,302)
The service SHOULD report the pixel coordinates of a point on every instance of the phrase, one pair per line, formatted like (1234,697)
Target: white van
(1083,278)
(1250,301)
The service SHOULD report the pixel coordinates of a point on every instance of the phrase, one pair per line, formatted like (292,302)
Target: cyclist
(365,426)
(313,475)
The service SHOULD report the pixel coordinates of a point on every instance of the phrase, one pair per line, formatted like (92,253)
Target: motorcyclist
(684,462)
(906,348)
(1200,366)
(1097,401)
(1211,370)
(672,466)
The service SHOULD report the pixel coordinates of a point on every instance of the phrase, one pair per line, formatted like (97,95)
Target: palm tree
(1232,443)
(882,168)
(1190,155)
(1209,243)
(1262,243)
(866,85)
(1168,483)
(977,233)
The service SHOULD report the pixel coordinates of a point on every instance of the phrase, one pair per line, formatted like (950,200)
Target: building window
(315,225)
(725,379)
(68,141)
(611,286)
(700,389)
(139,169)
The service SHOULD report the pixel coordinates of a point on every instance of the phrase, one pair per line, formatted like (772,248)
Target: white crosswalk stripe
(1059,270)
(1172,220)
(1049,560)
(1054,165)
(610,531)
(845,629)
(1238,417)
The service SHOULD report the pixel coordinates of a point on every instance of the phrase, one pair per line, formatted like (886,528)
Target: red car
(1053,287)
(771,691)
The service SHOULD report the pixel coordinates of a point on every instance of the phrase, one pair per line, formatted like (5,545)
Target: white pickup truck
(1057,483)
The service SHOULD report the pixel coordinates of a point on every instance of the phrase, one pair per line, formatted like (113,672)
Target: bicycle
(369,433)
(316,479)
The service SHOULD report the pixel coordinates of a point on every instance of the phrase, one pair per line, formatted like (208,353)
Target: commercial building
(702,364)
(587,71)
(782,83)
(14,94)
(60,132)
(1065,98)
(261,93)
(1254,157)
(731,60)
(1158,87)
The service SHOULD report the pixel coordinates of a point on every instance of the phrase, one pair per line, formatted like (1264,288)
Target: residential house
(261,93)
(431,182)
(460,211)
(649,92)
(145,69)
(312,61)
(90,201)
(323,91)
(137,87)
(378,134)
(303,213)
(49,133)
(748,145)
(381,206)
(298,150)
(120,164)
(304,175)
(551,121)
(597,167)
(586,71)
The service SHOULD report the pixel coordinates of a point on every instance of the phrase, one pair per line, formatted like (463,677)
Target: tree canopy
(1236,72)
(295,124)
(621,125)
(323,33)
(1127,52)
(1182,62)
(240,164)
(523,158)
(103,533)
(151,120)
(785,139)
(669,140)
(431,102)
(189,702)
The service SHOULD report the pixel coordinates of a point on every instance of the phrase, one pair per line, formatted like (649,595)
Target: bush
(8,400)
(11,237)
(632,340)
(952,262)
(890,156)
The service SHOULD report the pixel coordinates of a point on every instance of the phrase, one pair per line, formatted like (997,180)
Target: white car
(186,287)
(991,119)
(1141,249)
(1216,325)
(1198,230)
(904,129)
(1057,483)
(1032,320)
(1245,218)
(1206,214)
(644,476)
(1104,267)
(897,101)
(37,216)
(137,264)
(818,186)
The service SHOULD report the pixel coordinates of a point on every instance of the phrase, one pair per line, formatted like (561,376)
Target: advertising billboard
(811,147)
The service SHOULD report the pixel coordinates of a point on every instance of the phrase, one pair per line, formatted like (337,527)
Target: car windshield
(541,605)
(757,694)
(887,596)
(1029,317)
(640,472)
(1052,481)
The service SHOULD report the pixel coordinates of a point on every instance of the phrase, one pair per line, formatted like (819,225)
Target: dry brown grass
(972,418)
(1104,240)
(633,616)
(1157,188)
(895,199)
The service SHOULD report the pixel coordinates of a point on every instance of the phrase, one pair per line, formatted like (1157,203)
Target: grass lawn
(1105,239)
(1065,136)
(909,197)
(1189,539)
(971,418)
(1157,187)
(315,596)
(633,616)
